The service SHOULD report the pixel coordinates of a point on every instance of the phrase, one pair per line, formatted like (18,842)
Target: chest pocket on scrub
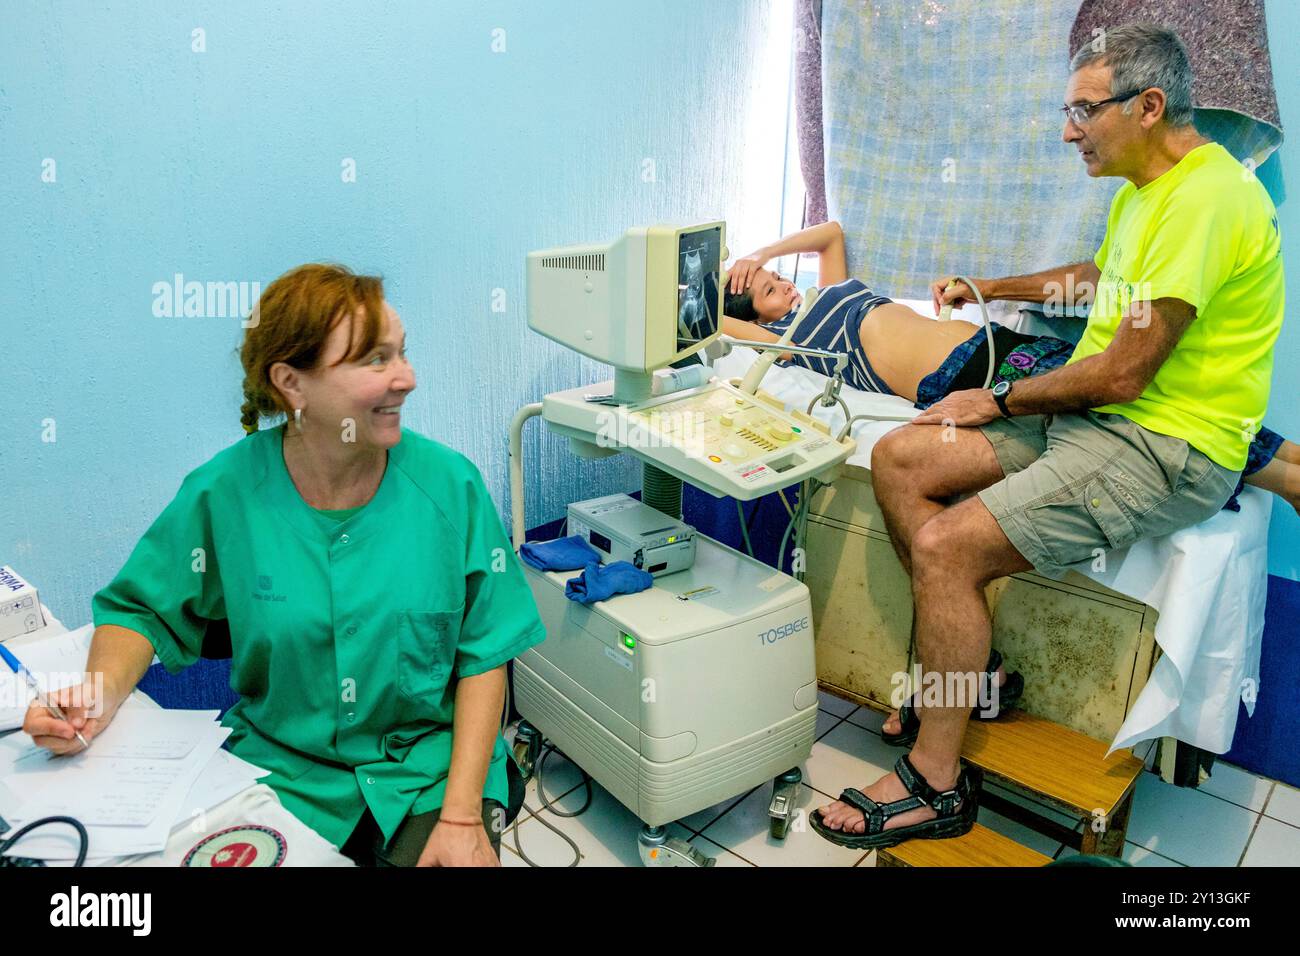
(426,646)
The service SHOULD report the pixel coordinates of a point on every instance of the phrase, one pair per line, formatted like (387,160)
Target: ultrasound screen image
(699,265)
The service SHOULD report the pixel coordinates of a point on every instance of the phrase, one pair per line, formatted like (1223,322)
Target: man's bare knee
(932,549)
(962,545)
(890,450)
(903,450)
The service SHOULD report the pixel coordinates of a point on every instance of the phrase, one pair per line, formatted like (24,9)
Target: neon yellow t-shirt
(1206,232)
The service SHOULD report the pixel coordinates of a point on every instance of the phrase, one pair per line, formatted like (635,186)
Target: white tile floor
(1234,819)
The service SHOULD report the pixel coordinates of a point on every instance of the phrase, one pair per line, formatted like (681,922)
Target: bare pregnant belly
(904,346)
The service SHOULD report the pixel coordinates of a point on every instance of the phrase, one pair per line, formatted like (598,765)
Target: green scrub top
(347,633)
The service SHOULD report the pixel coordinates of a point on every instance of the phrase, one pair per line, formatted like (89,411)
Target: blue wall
(226,165)
(1284,407)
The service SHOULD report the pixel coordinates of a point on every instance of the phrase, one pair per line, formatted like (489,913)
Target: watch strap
(1001,399)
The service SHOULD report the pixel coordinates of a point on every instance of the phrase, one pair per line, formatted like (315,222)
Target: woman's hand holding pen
(87,715)
(118,659)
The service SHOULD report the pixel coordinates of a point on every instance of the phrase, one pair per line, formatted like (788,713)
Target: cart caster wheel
(785,800)
(527,748)
(658,849)
(520,752)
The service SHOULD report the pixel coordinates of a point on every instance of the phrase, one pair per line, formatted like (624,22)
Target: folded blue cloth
(598,582)
(562,554)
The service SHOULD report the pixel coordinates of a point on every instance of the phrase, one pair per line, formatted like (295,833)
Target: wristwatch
(1000,392)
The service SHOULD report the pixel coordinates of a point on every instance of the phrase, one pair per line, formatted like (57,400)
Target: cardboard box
(20,606)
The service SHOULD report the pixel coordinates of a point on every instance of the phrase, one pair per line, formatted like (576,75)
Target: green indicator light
(672,538)
(796,429)
(629,641)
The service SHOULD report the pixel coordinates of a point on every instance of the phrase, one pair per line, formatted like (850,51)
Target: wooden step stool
(1055,765)
(1063,768)
(980,847)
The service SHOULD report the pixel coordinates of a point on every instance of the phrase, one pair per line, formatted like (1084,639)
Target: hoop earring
(297,419)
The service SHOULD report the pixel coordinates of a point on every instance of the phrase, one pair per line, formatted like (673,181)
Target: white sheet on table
(209,777)
(224,778)
(109,791)
(1209,583)
(147,734)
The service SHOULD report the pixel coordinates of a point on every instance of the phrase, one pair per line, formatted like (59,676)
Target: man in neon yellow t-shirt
(1143,432)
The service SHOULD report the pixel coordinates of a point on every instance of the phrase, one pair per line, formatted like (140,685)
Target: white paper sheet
(116,841)
(224,776)
(128,806)
(142,734)
(109,791)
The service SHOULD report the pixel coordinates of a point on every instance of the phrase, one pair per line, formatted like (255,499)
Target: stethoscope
(73,822)
(7,843)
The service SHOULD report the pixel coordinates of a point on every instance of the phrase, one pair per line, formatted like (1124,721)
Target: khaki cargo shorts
(1081,484)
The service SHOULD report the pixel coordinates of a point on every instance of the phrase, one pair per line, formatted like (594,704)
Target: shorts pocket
(1081,523)
(1193,471)
(426,644)
(1110,516)
(1179,463)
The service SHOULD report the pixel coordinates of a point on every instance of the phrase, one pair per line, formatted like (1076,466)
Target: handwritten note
(146,734)
(117,793)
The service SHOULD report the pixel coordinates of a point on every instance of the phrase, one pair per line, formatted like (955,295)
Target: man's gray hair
(1143,55)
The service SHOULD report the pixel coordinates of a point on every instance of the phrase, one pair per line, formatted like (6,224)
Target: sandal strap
(945,802)
(894,808)
(875,814)
(872,812)
(995,661)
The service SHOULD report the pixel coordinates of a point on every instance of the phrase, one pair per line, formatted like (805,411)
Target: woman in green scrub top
(372,596)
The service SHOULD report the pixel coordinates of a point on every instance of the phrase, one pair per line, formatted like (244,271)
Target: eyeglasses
(1081,114)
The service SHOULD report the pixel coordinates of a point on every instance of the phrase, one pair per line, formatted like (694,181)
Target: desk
(280,833)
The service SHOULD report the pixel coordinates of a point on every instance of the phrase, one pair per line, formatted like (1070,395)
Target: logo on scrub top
(264,584)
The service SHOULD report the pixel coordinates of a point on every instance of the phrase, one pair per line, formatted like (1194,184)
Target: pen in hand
(21,670)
